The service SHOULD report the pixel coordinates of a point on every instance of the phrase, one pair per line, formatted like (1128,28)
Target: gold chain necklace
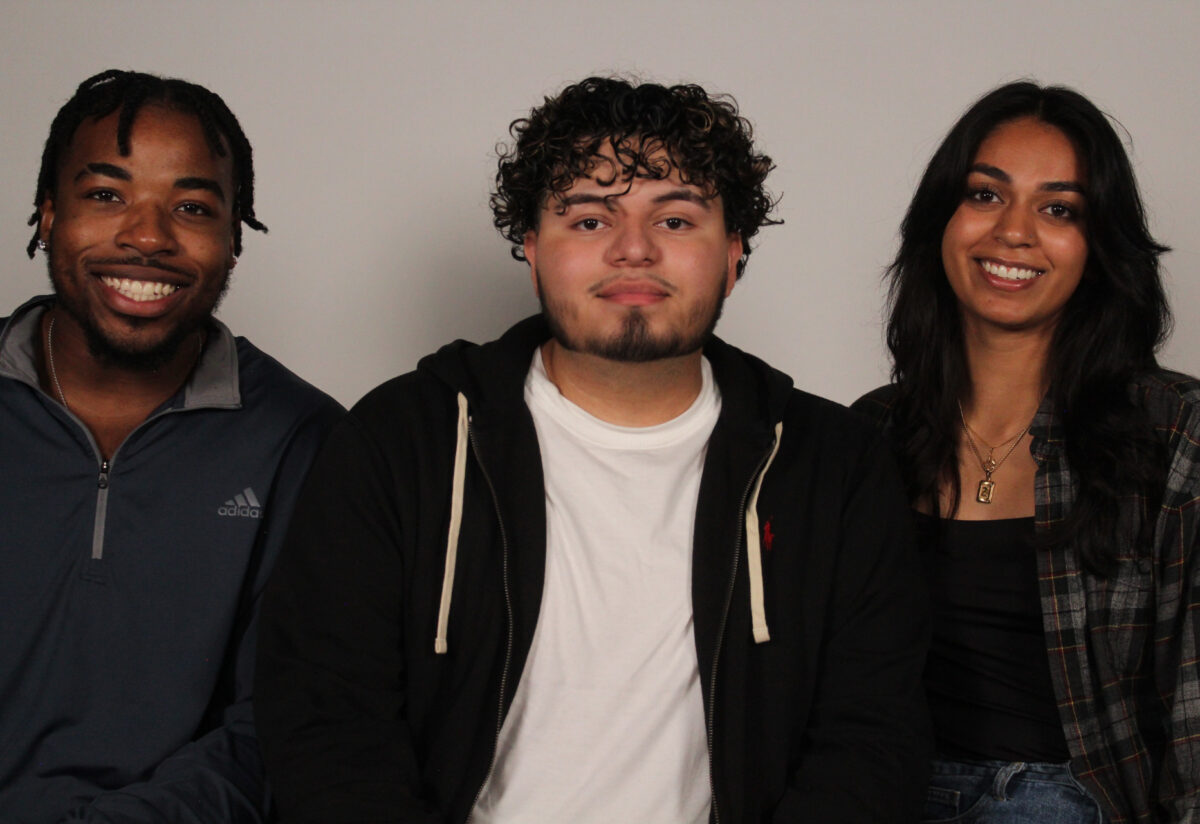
(989,465)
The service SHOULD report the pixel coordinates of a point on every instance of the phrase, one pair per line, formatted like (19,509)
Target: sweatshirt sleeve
(867,747)
(1177,627)
(218,777)
(330,700)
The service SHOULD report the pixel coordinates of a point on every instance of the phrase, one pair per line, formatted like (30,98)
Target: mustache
(137,260)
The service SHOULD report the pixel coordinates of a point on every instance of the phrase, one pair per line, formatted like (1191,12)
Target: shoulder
(831,440)
(828,418)
(878,404)
(1166,394)
(402,399)
(270,388)
(1171,402)
(753,392)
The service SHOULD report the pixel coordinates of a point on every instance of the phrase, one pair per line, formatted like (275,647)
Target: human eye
(982,193)
(588,224)
(102,195)
(195,209)
(675,223)
(1065,212)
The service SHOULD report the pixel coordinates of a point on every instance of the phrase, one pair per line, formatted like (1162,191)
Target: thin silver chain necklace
(50,362)
(54,373)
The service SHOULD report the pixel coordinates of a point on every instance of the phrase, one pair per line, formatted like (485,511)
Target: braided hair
(104,93)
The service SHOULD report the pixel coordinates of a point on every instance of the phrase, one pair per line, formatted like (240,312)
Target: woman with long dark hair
(1054,469)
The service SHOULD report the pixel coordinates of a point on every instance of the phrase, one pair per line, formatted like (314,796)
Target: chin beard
(634,343)
(136,360)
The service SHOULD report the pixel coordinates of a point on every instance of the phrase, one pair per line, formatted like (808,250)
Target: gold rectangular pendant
(984,495)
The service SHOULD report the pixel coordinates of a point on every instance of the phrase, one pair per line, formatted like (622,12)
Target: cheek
(211,250)
(951,244)
(960,232)
(68,233)
(1070,253)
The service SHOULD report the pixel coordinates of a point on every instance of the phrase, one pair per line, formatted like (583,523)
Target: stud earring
(41,244)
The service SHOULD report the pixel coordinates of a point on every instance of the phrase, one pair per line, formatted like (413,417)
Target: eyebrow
(205,183)
(1004,177)
(566,201)
(686,195)
(114,171)
(104,169)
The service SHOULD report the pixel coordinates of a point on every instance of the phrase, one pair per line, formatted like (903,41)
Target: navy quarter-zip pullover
(130,587)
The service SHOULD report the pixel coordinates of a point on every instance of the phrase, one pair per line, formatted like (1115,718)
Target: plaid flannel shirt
(1125,651)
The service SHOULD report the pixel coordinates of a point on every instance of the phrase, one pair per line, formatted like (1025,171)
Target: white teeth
(1009,272)
(139,290)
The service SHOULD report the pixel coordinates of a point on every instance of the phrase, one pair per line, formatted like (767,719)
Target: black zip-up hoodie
(428,501)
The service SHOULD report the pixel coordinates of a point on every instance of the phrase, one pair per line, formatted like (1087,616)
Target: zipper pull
(102,482)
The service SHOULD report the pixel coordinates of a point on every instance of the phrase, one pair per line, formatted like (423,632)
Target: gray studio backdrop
(374,126)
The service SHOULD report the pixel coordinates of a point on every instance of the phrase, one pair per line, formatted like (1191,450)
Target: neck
(625,394)
(95,387)
(1008,377)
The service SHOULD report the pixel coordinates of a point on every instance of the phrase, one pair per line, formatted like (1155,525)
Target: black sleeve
(330,698)
(867,748)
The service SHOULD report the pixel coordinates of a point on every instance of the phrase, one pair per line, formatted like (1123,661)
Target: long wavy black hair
(1109,330)
(651,130)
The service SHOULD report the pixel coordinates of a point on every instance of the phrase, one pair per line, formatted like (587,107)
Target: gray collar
(213,383)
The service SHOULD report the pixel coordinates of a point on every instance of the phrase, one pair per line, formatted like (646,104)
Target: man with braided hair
(608,567)
(150,462)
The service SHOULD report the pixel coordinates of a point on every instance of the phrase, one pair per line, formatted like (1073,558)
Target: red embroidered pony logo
(768,536)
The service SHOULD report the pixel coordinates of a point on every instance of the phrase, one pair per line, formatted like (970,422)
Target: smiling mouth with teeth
(138,290)
(1010,272)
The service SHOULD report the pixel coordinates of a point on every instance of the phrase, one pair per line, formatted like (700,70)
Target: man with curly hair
(607,567)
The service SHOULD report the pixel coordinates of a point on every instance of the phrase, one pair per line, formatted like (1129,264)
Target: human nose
(147,230)
(632,245)
(1015,226)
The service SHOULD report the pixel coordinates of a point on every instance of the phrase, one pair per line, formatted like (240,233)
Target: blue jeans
(1002,792)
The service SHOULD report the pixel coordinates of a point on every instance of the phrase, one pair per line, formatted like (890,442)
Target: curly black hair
(104,93)
(651,130)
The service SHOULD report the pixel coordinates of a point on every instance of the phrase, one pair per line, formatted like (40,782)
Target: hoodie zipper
(712,684)
(508,610)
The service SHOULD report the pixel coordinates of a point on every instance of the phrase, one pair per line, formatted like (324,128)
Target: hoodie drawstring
(456,507)
(758,613)
(758,609)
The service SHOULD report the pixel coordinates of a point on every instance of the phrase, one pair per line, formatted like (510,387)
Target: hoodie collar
(493,374)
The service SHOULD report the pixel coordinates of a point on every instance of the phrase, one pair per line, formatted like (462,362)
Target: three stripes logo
(242,505)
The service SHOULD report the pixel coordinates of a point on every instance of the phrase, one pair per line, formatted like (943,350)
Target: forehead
(620,174)
(161,139)
(1031,147)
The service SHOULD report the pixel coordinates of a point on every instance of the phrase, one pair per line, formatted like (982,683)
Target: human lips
(630,292)
(141,287)
(1009,271)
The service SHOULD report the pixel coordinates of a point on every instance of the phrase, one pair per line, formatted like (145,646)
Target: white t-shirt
(607,723)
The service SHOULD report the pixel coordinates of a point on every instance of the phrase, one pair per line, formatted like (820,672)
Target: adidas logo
(242,505)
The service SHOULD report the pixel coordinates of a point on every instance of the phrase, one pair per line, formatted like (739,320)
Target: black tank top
(988,673)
